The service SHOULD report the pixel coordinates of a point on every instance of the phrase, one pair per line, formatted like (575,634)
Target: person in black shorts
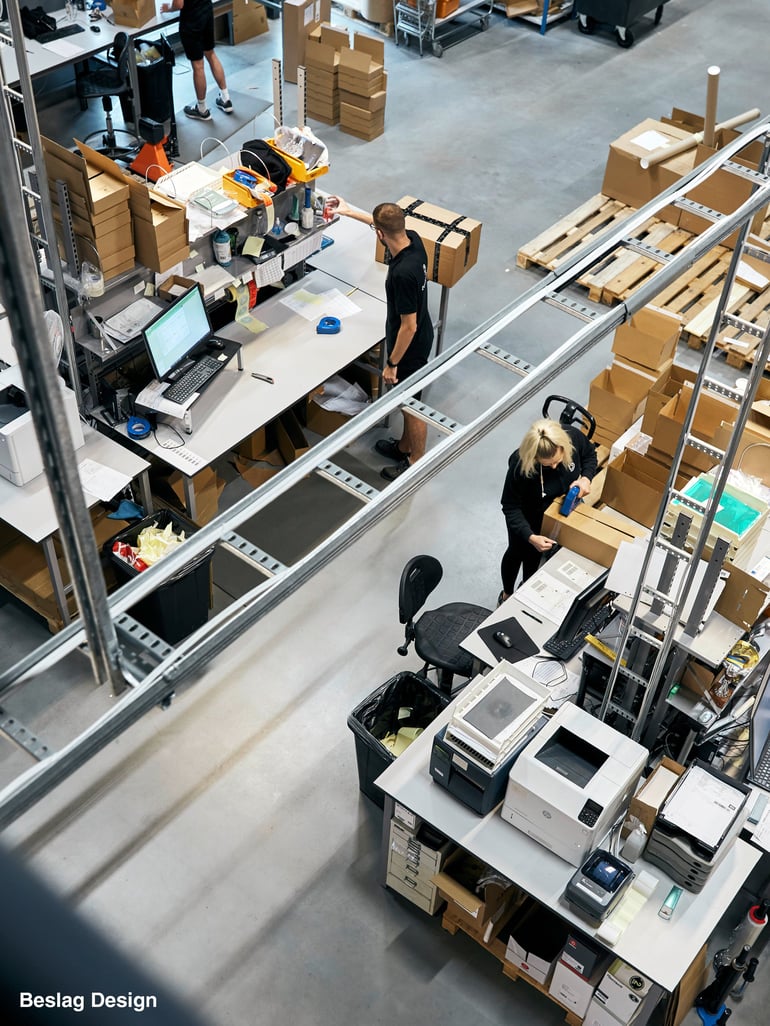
(408,327)
(196,32)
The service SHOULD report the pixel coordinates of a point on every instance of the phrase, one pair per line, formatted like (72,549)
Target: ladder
(647,652)
(32,183)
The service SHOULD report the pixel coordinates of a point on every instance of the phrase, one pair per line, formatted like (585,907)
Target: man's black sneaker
(192,111)
(225,105)
(391,473)
(388,447)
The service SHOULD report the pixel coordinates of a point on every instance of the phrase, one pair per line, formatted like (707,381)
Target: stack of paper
(129,323)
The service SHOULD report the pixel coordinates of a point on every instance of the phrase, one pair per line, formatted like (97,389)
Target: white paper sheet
(101,481)
(703,806)
(651,140)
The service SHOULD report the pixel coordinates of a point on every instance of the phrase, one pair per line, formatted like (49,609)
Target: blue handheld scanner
(328,326)
(571,499)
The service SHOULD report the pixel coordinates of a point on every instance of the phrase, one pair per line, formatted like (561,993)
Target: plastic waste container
(180,605)
(407,700)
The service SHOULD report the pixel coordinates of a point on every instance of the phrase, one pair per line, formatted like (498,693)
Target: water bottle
(223,250)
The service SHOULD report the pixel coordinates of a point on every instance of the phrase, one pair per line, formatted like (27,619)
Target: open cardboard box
(710,413)
(617,396)
(668,385)
(649,338)
(635,485)
(473,911)
(361,68)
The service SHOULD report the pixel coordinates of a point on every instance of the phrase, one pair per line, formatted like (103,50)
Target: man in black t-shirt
(196,33)
(408,327)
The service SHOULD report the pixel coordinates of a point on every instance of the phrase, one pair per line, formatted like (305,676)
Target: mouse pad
(523,645)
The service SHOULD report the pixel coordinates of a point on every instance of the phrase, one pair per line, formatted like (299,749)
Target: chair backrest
(419,578)
(120,55)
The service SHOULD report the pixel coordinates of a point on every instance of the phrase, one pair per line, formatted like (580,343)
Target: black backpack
(263,159)
(36,22)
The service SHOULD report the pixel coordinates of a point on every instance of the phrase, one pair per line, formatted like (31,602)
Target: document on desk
(703,806)
(129,323)
(102,481)
(312,306)
(551,591)
(63,47)
(151,398)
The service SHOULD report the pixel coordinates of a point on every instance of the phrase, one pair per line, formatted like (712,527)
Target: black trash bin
(180,605)
(383,712)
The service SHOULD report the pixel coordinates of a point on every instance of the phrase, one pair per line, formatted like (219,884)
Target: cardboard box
(249,20)
(298,19)
(255,445)
(207,485)
(594,533)
(625,179)
(372,103)
(691,984)
(649,338)
(362,68)
(751,461)
(458,881)
(451,240)
(290,436)
(535,940)
(711,411)
(634,485)
(697,678)
(617,396)
(743,598)
(648,800)
(667,386)
(174,286)
(365,124)
(160,227)
(622,991)
(133,13)
(573,990)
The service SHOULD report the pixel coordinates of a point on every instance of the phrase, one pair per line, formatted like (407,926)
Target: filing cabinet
(414,856)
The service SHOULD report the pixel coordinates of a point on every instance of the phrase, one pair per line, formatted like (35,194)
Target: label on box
(405,816)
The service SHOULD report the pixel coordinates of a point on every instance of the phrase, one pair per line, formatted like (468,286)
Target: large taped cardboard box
(625,179)
(710,413)
(298,19)
(451,240)
(594,533)
(649,338)
(133,13)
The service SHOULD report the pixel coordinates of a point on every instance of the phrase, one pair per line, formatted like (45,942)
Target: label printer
(571,783)
(493,720)
(20,458)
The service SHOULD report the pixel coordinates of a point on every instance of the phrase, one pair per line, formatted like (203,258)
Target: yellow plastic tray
(298,170)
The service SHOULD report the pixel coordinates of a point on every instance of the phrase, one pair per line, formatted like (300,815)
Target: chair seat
(438,633)
(106,82)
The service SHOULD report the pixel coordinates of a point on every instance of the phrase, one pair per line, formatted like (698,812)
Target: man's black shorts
(407,367)
(198,38)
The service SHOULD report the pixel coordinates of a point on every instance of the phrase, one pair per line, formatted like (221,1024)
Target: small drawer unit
(416,853)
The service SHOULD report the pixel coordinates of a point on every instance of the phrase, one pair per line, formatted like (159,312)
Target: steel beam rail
(226,626)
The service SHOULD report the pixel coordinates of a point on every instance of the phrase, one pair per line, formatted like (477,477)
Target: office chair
(110,79)
(438,632)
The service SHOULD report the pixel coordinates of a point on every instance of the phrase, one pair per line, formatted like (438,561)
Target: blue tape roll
(138,427)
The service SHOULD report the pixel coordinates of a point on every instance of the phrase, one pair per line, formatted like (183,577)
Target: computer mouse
(95,28)
(216,343)
(502,639)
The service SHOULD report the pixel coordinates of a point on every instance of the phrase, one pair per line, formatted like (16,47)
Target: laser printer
(571,783)
(492,722)
(20,459)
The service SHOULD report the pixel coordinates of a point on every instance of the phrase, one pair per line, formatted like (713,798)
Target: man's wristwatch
(390,363)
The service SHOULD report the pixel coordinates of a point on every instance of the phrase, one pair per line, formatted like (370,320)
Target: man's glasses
(373,227)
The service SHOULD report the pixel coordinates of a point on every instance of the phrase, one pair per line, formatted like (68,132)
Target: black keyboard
(565,648)
(193,380)
(761,774)
(59,33)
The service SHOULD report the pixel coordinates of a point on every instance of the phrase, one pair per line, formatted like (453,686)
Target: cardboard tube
(687,144)
(712,92)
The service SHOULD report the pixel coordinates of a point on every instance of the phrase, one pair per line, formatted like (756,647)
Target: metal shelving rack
(419,22)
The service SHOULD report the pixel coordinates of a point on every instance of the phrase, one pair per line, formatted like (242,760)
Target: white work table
(351,257)
(289,351)
(29,508)
(662,951)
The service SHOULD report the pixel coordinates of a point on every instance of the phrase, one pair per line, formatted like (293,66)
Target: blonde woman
(550,459)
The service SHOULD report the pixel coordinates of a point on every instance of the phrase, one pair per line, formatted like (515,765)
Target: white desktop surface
(289,351)
(538,626)
(29,508)
(661,950)
(351,257)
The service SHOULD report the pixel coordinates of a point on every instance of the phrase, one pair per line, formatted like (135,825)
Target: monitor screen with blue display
(176,332)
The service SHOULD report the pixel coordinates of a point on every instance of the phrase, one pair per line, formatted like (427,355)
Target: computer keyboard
(59,33)
(565,648)
(192,381)
(761,774)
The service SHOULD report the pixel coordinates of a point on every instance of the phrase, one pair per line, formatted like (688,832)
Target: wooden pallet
(577,229)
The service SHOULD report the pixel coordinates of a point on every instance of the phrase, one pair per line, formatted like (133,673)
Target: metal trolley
(419,21)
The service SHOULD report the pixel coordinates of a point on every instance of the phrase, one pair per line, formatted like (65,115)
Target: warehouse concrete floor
(223,843)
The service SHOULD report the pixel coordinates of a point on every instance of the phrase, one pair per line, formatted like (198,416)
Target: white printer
(20,459)
(571,782)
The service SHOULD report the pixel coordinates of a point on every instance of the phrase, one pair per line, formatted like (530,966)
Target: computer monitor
(176,332)
(759,730)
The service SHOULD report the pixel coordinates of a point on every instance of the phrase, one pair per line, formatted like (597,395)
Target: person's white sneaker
(225,105)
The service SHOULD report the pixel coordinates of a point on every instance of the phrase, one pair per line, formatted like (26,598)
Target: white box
(597,1015)
(530,964)
(573,990)
(622,991)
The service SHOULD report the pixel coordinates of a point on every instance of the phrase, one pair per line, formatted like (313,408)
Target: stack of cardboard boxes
(322,61)
(99,198)
(363,85)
